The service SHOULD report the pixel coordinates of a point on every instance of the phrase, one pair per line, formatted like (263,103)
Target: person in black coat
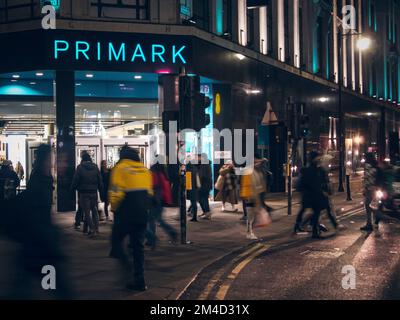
(314,186)
(9,182)
(105,176)
(205,175)
(40,239)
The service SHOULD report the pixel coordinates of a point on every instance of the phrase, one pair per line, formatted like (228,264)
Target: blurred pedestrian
(261,165)
(130,193)
(9,182)
(228,192)
(87,181)
(251,188)
(205,175)
(19,170)
(371,183)
(39,237)
(193,193)
(162,197)
(315,189)
(105,176)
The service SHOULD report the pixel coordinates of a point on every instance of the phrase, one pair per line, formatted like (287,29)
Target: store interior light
(32,83)
(240,56)
(138,77)
(323,99)
(78,84)
(369,114)
(16,76)
(89,75)
(39,74)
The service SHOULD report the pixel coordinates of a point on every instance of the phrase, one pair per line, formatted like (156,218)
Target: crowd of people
(137,197)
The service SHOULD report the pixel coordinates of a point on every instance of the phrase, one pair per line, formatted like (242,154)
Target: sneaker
(251,236)
(77,227)
(367,228)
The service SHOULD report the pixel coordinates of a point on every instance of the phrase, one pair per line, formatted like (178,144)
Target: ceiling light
(138,77)
(89,75)
(122,85)
(39,74)
(29,105)
(323,99)
(369,114)
(78,84)
(240,56)
(16,76)
(13,80)
(32,83)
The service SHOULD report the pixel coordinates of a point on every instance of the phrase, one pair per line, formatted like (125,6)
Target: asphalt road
(343,266)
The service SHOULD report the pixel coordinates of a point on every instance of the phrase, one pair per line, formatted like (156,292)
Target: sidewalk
(170,267)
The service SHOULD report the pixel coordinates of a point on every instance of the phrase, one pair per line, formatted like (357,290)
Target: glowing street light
(363,43)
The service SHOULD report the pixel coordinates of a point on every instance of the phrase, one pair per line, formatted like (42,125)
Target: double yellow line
(241,261)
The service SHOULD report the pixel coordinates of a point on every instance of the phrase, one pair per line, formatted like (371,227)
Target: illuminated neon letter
(112,53)
(156,53)
(78,50)
(178,53)
(138,54)
(58,49)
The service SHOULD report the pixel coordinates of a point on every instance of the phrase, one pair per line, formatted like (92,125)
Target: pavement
(171,269)
(219,247)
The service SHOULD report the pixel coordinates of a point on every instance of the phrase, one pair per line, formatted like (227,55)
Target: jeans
(88,203)
(136,234)
(203,200)
(156,217)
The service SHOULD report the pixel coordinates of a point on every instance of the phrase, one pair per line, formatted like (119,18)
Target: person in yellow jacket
(130,194)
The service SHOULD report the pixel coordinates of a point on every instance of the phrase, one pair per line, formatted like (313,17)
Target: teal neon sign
(121,52)
(55,3)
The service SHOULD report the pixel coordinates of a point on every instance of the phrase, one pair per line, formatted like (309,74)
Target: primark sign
(117,50)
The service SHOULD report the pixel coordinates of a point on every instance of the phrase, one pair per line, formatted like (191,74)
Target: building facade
(108,74)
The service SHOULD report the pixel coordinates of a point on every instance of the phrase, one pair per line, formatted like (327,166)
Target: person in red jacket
(162,197)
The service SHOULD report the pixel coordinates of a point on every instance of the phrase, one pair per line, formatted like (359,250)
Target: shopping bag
(262,219)
(220,183)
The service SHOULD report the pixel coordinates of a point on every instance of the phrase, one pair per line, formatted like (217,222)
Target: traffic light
(304,122)
(200,118)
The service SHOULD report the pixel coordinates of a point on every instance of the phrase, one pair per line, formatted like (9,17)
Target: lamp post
(362,44)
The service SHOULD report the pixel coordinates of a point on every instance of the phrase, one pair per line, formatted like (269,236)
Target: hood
(89,165)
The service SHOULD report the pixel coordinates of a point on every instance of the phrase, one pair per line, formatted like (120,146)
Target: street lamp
(363,44)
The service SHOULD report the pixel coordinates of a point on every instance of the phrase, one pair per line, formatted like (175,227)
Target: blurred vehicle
(388,196)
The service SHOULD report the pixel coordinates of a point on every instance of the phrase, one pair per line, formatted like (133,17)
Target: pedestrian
(251,187)
(193,193)
(261,165)
(87,181)
(372,181)
(19,170)
(40,239)
(205,175)
(228,192)
(315,188)
(162,197)
(105,176)
(9,181)
(130,193)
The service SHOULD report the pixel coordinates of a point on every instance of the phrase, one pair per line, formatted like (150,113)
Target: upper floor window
(18,10)
(121,9)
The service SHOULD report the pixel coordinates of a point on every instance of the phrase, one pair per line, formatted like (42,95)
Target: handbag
(262,219)
(219,185)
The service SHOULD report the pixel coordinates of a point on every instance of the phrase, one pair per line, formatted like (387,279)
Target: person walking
(372,180)
(40,239)
(19,170)
(193,194)
(130,193)
(9,182)
(105,176)
(162,197)
(261,165)
(314,185)
(228,193)
(87,181)
(205,175)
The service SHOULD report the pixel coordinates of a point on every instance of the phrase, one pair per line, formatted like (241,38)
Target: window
(18,10)
(201,14)
(127,9)
(250,28)
(227,8)
(270,31)
(288,56)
